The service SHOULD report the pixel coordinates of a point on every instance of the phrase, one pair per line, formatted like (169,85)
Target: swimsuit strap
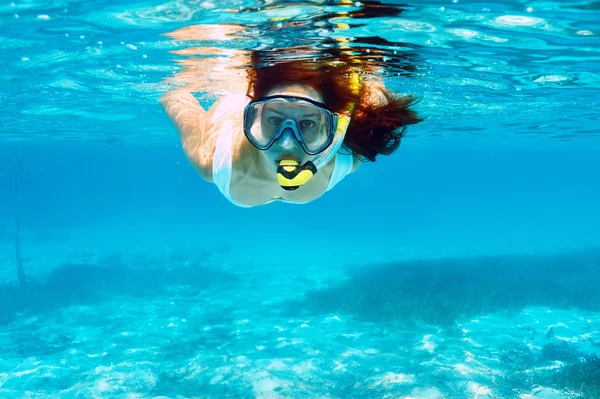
(222,163)
(344,162)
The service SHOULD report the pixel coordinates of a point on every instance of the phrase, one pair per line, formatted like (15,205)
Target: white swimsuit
(222,163)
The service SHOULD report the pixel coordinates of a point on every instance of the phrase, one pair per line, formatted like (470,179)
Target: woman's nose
(287,140)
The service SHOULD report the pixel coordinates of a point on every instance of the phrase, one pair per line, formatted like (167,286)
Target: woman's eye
(274,120)
(307,124)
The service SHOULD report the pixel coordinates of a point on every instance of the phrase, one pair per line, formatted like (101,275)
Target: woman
(301,127)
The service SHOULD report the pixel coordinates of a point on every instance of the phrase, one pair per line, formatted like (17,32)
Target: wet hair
(380,117)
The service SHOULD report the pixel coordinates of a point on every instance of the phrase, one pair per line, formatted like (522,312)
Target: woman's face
(287,147)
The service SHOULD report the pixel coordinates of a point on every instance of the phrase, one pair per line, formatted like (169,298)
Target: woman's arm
(206,70)
(189,118)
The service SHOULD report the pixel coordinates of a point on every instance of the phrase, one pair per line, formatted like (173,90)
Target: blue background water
(506,162)
(456,198)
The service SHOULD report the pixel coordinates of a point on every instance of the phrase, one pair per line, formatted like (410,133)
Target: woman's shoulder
(225,126)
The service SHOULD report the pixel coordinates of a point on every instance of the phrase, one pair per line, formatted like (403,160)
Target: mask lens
(312,124)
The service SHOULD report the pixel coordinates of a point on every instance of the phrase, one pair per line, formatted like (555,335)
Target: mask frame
(290,123)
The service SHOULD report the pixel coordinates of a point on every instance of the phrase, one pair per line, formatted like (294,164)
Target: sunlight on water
(75,69)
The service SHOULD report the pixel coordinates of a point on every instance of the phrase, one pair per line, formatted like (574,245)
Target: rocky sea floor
(259,331)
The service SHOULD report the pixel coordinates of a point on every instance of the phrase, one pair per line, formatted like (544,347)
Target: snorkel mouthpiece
(292,175)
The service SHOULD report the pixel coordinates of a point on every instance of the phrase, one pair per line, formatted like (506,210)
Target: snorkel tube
(291,175)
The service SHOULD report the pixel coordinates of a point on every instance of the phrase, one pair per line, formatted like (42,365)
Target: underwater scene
(457,257)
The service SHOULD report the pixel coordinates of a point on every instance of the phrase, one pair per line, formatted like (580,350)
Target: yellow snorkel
(291,175)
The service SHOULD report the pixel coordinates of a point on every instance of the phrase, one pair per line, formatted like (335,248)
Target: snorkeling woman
(299,129)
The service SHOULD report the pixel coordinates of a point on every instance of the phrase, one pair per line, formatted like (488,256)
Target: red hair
(376,127)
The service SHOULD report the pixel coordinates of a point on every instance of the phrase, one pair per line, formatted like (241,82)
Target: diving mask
(312,123)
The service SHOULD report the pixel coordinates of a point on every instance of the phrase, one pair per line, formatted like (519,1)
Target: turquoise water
(465,265)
